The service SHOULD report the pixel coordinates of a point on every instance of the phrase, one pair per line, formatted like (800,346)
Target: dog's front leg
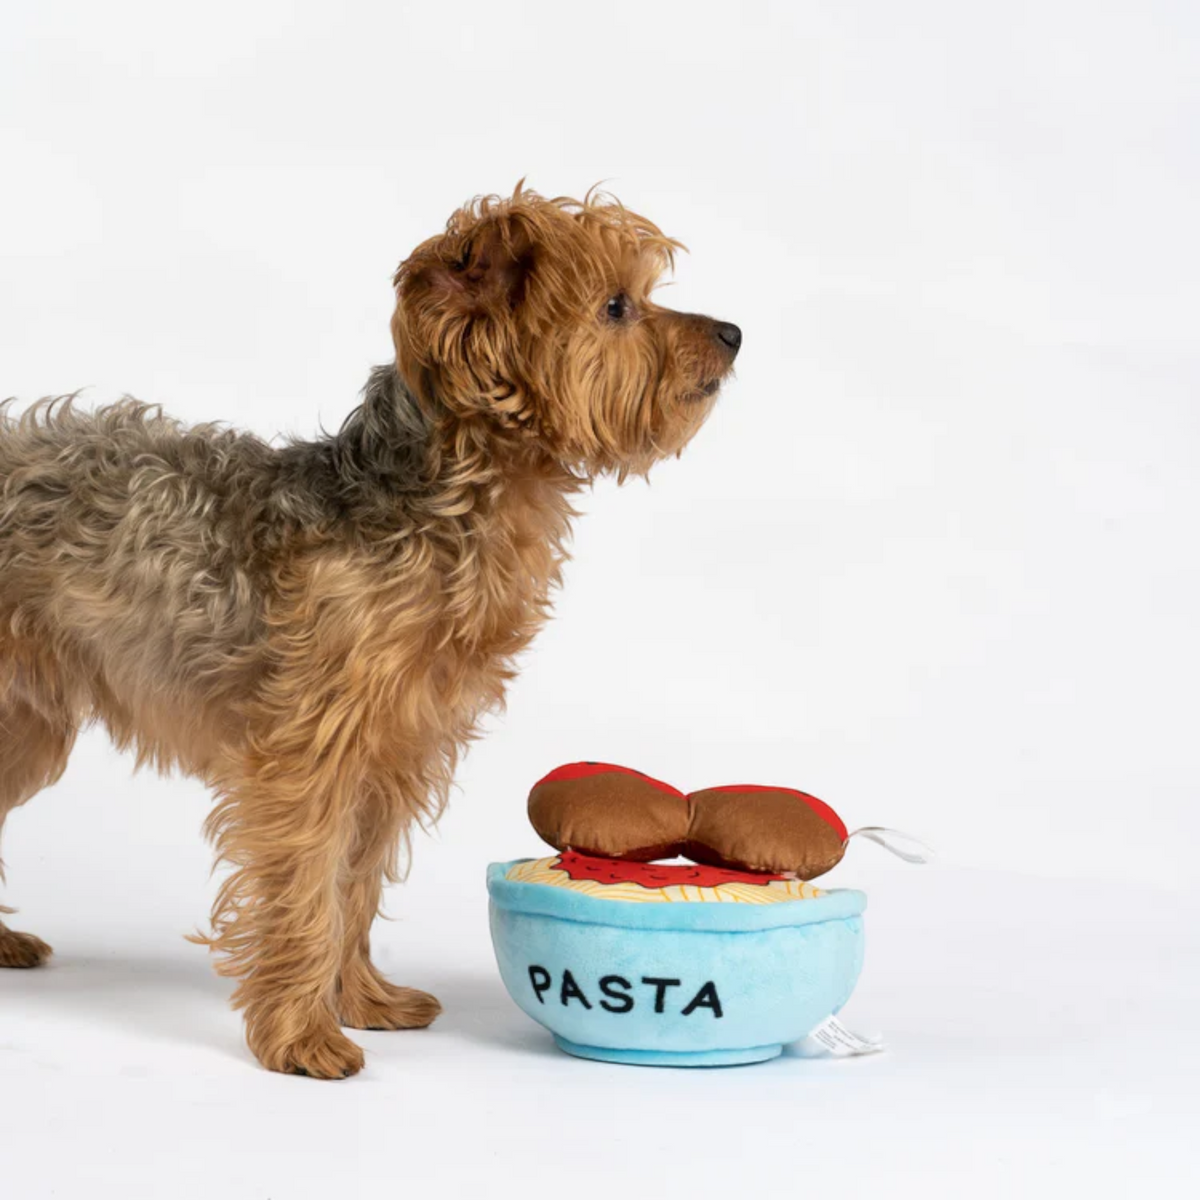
(366,1000)
(288,826)
(314,801)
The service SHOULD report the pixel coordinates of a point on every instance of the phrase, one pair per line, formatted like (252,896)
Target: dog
(315,628)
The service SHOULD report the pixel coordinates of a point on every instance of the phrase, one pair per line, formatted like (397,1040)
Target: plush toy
(721,960)
(615,812)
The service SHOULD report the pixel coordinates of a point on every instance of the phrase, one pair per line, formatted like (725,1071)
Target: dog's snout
(729,335)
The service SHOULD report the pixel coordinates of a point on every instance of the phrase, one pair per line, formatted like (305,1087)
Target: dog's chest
(467,599)
(496,576)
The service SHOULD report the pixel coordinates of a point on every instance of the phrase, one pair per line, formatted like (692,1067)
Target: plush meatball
(764,829)
(615,812)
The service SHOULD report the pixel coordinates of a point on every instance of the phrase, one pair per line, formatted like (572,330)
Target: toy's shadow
(477,1009)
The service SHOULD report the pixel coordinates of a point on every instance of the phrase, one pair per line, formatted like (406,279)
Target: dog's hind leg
(35,740)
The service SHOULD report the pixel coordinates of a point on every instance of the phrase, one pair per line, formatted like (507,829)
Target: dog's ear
(455,327)
(481,268)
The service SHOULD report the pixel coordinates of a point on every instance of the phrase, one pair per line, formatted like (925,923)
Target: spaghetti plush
(716,961)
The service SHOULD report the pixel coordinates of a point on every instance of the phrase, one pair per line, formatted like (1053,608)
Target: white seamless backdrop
(932,559)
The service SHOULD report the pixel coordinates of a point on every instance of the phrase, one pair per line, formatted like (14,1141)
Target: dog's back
(127,569)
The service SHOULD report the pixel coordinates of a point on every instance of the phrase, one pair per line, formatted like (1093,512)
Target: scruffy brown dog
(315,629)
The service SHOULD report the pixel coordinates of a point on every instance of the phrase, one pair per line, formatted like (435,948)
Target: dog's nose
(729,335)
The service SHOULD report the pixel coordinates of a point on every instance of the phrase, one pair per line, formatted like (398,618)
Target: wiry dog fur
(315,629)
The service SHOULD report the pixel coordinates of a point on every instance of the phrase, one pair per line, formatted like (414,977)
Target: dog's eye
(617,309)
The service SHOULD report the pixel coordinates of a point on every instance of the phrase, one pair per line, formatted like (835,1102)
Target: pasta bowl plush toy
(721,960)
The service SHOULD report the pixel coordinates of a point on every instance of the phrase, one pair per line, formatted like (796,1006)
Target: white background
(933,559)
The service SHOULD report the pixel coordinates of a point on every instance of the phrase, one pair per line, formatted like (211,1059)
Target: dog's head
(536,317)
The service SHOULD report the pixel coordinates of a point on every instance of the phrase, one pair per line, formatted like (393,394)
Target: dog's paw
(389,1007)
(324,1054)
(22,949)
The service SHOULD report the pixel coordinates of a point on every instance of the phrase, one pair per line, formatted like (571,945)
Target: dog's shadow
(172,998)
(178,998)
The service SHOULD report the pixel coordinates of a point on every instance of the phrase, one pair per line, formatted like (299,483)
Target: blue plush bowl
(686,983)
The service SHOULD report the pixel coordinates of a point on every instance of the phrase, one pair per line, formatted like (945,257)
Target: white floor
(1042,1042)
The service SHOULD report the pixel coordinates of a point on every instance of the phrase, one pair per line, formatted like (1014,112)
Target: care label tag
(833,1039)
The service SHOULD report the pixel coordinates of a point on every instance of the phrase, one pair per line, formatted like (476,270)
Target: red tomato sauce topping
(653,875)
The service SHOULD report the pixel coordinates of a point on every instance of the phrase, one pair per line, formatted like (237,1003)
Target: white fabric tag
(902,845)
(831,1038)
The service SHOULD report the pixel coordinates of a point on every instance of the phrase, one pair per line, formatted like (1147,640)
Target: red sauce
(653,875)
